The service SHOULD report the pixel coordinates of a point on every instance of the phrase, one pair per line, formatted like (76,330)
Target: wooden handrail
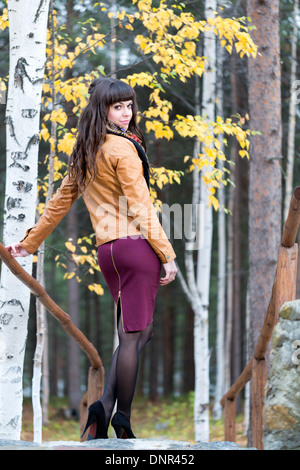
(267,328)
(259,353)
(283,290)
(52,307)
(293,221)
(239,384)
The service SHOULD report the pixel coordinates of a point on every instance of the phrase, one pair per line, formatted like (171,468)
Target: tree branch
(52,307)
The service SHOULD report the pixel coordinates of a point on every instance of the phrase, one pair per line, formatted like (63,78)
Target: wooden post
(94,392)
(229,417)
(292,222)
(95,384)
(286,276)
(259,376)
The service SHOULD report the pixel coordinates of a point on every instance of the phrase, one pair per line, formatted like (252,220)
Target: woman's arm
(54,212)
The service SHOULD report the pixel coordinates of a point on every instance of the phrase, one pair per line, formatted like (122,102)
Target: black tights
(121,379)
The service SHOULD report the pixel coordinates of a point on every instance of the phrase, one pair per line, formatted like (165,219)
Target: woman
(109,168)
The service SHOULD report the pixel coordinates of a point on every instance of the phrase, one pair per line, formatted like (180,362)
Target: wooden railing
(283,290)
(96,371)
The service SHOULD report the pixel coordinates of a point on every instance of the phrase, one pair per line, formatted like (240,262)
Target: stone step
(154,445)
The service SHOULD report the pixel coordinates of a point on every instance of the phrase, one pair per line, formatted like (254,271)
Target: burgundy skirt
(131,270)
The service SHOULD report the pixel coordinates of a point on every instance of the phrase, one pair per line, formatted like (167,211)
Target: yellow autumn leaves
(171,39)
(173,36)
(82,256)
(208,134)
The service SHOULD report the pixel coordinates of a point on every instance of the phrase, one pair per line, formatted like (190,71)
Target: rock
(122,444)
(282,401)
(218,445)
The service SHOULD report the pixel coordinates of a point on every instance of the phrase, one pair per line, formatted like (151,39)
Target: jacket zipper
(119,293)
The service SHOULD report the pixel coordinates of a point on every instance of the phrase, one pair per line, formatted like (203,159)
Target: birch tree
(198,280)
(201,408)
(28,26)
(40,412)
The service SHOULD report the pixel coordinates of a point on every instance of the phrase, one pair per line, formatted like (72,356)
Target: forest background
(167,368)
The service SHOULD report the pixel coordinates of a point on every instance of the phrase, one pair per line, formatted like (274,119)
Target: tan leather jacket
(118,201)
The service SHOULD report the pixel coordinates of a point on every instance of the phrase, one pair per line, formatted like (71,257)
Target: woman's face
(121,113)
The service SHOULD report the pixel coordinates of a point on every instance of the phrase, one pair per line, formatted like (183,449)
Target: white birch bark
(28,26)
(40,377)
(197,284)
(194,224)
(202,356)
(40,416)
(292,118)
(37,361)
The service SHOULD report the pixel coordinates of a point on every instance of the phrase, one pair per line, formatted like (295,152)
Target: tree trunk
(235,350)
(237,331)
(292,118)
(38,355)
(220,339)
(188,369)
(265,161)
(154,355)
(168,345)
(40,414)
(28,26)
(201,408)
(197,285)
(73,363)
(229,300)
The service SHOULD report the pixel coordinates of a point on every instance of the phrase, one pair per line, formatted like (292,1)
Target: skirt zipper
(119,293)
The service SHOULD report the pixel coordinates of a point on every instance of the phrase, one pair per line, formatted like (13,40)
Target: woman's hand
(170,270)
(16,250)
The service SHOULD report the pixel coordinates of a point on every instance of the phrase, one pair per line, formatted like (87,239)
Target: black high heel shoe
(96,417)
(122,427)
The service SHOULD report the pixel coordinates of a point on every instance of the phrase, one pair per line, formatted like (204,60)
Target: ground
(169,419)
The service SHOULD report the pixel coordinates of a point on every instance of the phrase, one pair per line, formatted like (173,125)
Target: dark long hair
(92,127)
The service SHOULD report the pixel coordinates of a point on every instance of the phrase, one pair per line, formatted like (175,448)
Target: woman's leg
(109,396)
(121,379)
(130,347)
(126,371)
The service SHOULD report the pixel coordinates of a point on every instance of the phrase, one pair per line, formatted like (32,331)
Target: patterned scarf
(116,130)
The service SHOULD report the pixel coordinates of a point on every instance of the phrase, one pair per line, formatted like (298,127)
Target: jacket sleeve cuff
(26,244)
(165,256)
